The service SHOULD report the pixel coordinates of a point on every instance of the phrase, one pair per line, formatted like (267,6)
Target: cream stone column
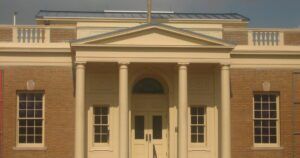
(79,111)
(225,112)
(182,112)
(123,105)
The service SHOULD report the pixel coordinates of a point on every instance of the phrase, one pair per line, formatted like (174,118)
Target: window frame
(95,145)
(197,144)
(139,86)
(31,145)
(264,145)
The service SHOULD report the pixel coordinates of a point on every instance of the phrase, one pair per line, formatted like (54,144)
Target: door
(149,135)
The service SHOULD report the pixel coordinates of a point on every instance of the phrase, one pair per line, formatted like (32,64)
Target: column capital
(225,66)
(80,65)
(225,63)
(183,63)
(123,63)
(80,62)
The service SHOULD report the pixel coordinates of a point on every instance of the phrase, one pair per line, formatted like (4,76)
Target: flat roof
(45,14)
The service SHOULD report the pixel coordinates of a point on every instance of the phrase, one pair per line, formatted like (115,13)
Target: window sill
(199,149)
(101,149)
(30,148)
(267,148)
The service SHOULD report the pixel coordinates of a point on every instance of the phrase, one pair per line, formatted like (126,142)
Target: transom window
(266,119)
(197,124)
(101,124)
(30,117)
(148,86)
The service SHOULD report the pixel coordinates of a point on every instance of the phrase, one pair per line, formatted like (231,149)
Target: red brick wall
(236,36)
(243,83)
(59,105)
(59,110)
(62,35)
(296,113)
(5,34)
(1,110)
(292,38)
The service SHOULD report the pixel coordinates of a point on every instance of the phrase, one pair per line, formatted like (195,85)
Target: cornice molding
(34,50)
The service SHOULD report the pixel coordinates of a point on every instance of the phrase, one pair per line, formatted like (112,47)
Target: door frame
(148,130)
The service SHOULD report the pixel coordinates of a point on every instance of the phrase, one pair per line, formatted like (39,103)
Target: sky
(263,13)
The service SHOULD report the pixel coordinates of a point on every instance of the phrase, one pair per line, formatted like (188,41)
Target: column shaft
(123,105)
(79,111)
(182,113)
(225,112)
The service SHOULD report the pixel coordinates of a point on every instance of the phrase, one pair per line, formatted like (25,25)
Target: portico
(157,50)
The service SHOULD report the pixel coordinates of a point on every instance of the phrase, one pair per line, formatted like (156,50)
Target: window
(197,124)
(266,117)
(101,124)
(139,124)
(30,118)
(148,86)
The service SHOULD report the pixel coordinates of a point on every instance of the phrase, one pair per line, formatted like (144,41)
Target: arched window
(148,86)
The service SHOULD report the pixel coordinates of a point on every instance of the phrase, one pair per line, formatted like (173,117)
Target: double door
(149,135)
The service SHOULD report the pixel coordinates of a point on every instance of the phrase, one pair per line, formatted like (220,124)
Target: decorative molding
(30,148)
(29,63)
(123,63)
(80,63)
(35,47)
(267,148)
(149,46)
(227,63)
(266,86)
(183,63)
(39,50)
(30,85)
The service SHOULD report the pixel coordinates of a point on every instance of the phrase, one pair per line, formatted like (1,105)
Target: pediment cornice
(152,35)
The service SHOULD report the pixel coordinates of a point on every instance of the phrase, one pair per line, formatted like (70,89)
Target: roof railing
(256,37)
(265,38)
(31,35)
(36,34)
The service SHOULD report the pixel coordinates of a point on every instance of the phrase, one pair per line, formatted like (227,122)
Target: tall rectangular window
(197,124)
(266,119)
(101,124)
(30,118)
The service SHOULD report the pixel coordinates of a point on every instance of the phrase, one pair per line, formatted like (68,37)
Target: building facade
(110,85)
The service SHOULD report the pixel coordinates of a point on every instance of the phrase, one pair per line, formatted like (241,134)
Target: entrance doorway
(149,120)
(149,135)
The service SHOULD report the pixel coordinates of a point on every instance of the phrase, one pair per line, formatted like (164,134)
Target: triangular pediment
(152,35)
